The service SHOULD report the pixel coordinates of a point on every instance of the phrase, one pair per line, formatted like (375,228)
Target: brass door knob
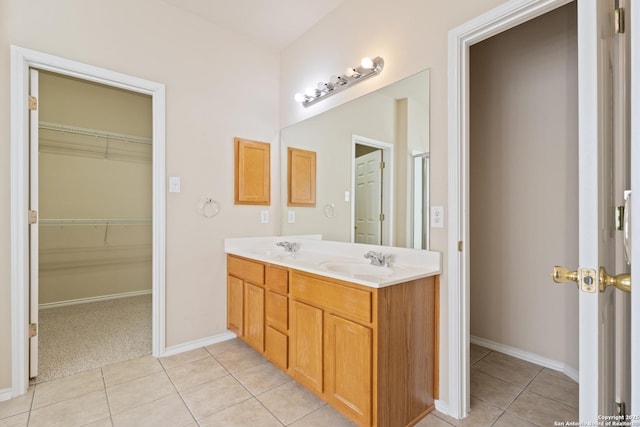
(562,275)
(620,281)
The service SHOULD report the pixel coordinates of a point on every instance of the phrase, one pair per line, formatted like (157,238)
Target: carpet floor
(81,337)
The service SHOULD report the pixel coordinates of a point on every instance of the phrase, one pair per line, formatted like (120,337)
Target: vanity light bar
(367,68)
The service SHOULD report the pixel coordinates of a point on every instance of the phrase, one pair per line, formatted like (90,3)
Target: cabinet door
(252,172)
(348,362)
(235,303)
(306,345)
(277,311)
(254,316)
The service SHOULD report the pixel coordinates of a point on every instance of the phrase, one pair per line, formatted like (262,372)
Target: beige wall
(112,182)
(217,86)
(411,35)
(524,186)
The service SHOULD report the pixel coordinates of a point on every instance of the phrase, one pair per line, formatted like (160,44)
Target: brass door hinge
(33,217)
(33,330)
(618,20)
(459,245)
(381,165)
(33,103)
(381,217)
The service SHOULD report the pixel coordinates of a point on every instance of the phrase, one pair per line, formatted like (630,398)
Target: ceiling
(271,23)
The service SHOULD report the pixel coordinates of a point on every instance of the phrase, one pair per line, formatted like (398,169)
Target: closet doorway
(94,236)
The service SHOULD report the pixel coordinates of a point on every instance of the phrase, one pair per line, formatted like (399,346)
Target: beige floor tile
(143,390)
(260,378)
(325,416)
(196,373)
(247,413)
(290,402)
(493,391)
(77,411)
(476,353)
(17,405)
(184,358)
(105,422)
(510,420)
(227,345)
(541,410)
(481,415)
(556,387)
(432,420)
(119,373)
(168,411)
(67,387)
(19,420)
(515,371)
(209,398)
(240,358)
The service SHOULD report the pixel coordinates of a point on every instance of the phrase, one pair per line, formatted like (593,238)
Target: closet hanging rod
(94,132)
(118,221)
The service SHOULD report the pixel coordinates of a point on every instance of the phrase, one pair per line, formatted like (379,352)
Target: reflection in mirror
(356,199)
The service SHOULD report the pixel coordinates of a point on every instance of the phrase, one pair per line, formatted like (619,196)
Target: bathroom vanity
(362,337)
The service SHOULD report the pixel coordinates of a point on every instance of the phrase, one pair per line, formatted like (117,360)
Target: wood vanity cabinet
(277,316)
(245,300)
(371,353)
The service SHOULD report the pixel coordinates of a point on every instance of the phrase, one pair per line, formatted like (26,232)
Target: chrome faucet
(378,258)
(288,246)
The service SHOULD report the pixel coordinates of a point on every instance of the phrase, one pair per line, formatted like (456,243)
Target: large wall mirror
(372,168)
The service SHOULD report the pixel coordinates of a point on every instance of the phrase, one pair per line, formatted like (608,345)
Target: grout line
(106,395)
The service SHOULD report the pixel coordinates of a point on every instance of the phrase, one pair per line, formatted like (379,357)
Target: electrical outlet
(291,217)
(264,217)
(437,216)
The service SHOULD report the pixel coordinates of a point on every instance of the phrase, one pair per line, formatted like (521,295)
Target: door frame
(495,21)
(635,201)
(388,238)
(22,60)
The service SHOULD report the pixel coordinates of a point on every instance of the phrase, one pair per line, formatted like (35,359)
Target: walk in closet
(95,234)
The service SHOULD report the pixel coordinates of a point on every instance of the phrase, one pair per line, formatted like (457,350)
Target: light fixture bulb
(350,72)
(299,97)
(310,92)
(366,63)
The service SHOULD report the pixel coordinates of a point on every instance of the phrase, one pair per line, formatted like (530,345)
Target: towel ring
(209,207)
(330,210)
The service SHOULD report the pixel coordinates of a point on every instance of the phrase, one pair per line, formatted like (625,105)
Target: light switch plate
(174,184)
(291,217)
(347,196)
(264,217)
(437,216)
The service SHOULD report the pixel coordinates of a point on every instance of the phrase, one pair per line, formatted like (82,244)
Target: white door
(33,227)
(598,130)
(368,198)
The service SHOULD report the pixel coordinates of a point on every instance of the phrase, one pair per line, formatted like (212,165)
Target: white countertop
(339,260)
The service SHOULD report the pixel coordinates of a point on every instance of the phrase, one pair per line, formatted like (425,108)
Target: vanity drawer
(277,311)
(277,279)
(277,348)
(349,302)
(245,269)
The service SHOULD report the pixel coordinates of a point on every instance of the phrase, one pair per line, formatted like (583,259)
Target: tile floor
(228,384)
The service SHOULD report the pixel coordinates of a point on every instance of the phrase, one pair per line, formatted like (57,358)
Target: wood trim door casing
(252,172)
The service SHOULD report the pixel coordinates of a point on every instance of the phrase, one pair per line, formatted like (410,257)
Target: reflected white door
(368,198)
(33,227)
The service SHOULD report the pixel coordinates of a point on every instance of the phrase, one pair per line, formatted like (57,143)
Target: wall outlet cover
(437,216)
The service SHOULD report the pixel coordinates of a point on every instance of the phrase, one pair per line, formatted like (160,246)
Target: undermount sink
(357,269)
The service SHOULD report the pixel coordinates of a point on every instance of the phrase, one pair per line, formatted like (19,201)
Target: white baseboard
(203,342)
(442,407)
(528,356)
(5,394)
(93,299)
